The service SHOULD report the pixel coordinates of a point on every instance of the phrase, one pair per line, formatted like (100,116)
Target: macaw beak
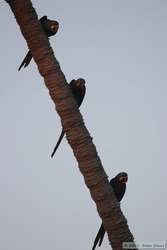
(123,179)
(54,27)
(80,83)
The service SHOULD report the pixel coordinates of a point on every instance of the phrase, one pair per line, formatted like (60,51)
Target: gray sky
(119,47)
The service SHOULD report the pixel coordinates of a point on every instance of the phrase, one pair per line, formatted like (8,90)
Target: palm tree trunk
(77,134)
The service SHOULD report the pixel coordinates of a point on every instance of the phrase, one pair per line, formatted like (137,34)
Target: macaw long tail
(99,237)
(58,143)
(26,60)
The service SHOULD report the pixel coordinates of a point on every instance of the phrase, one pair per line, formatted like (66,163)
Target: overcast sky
(119,47)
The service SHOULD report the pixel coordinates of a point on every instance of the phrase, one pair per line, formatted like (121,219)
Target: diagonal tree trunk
(77,135)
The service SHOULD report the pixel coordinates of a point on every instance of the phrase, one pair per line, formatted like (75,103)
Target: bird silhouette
(118,184)
(78,91)
(50,28)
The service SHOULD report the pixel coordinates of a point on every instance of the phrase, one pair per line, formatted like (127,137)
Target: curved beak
(123,179)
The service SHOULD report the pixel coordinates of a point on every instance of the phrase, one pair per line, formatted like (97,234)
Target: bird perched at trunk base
(50,27)
(78,91)
(118,184)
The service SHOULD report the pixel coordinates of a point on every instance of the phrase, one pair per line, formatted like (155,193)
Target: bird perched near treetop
(50,27)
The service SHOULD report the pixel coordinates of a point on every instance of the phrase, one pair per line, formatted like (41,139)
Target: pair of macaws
(78,89)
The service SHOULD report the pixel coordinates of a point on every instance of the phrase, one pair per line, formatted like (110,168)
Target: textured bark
(77,135)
